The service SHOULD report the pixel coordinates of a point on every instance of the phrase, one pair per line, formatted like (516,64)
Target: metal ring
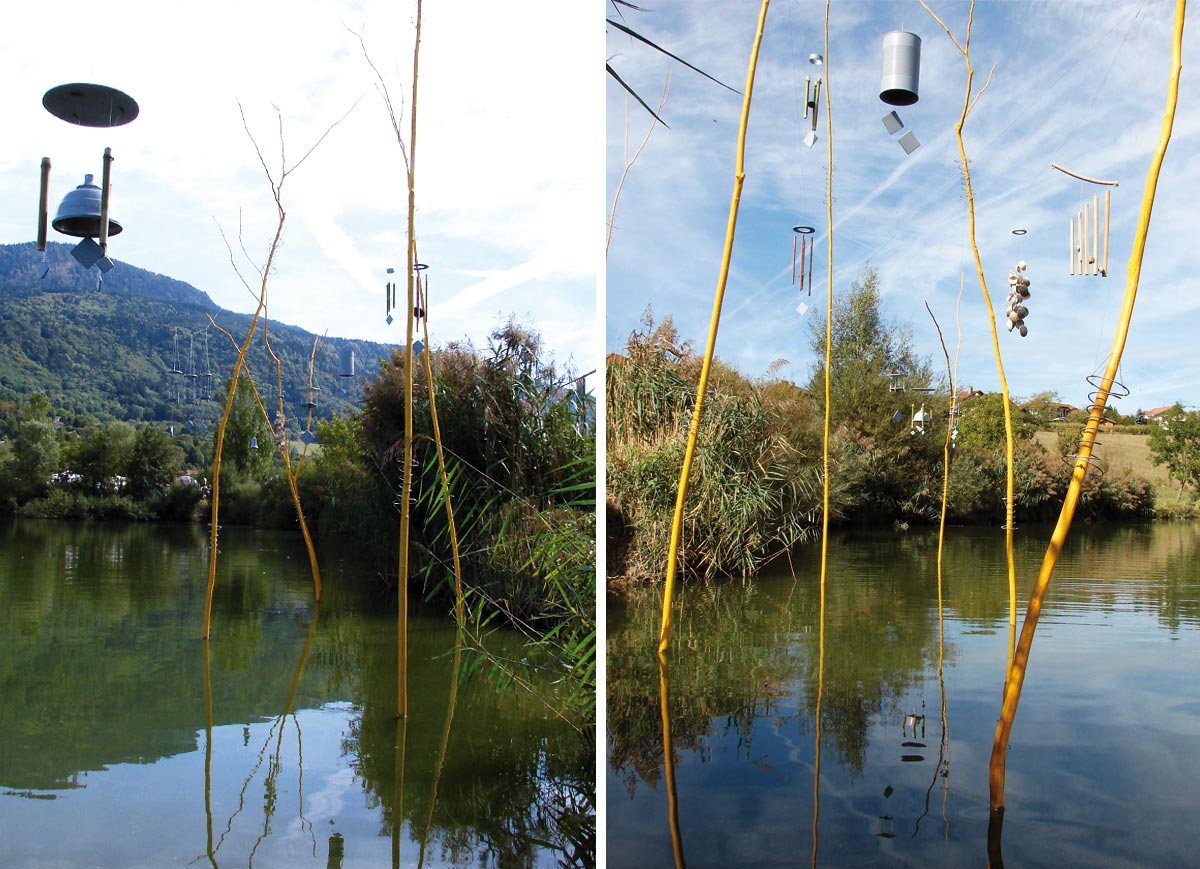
(1019,231)
(803,230)
(419,267)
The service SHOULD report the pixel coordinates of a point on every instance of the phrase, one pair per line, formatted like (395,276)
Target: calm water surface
(1104,762)
(123,744)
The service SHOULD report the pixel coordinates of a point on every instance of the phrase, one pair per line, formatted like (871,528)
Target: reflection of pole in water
(946,449)
(398,792)
(441,758)
(664,707)
(208,728)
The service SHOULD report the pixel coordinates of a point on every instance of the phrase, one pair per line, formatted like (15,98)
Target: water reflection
(1115,706)
(109,691)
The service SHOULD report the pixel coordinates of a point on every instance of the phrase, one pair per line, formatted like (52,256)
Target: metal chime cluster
(422,287)
(86,211)
(1018,295)
(803,238)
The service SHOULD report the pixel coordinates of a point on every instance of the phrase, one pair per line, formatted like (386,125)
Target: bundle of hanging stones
(1018,294)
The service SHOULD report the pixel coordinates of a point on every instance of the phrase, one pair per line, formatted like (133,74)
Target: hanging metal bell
(79,213)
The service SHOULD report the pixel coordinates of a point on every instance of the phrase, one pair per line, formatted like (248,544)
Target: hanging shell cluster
(1018,294)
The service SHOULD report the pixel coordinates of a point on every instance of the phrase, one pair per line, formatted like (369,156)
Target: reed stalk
(441,457)
(706,366)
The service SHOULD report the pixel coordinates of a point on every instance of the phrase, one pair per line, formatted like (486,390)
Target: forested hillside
(111,353)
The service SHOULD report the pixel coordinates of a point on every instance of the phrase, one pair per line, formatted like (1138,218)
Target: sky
(508,152)
(1081,84)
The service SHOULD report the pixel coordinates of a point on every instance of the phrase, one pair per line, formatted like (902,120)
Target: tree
(1176,444)
(867,349)
(981,423)
(35,457)
(101,454)
(248,440)
(154,463)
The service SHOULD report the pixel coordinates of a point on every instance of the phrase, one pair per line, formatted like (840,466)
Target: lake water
(124,742)
(1104,760)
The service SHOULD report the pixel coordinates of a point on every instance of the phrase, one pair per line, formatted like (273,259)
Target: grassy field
(1123,451)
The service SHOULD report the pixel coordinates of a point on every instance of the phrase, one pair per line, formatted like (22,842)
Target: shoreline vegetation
(519,438)
(756,481)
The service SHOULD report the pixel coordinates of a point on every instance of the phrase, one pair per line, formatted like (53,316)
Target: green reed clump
(755,490)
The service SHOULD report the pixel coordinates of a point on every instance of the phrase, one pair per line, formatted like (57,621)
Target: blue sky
(506,119)
(1081,84)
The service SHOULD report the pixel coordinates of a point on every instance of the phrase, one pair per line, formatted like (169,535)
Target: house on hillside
(1049,411)
(1157,414)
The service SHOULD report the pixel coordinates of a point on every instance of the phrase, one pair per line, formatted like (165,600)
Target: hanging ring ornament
(803,230)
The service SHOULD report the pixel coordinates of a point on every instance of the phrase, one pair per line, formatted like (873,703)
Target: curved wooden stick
(1083,177)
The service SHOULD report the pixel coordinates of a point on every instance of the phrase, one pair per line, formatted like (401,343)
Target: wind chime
(390,293)
(1018,295)
(899,80)
(85,212)
(802,238)
(1087,257)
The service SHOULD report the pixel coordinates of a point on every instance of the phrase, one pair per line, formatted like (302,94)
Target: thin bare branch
(982,90)
(934,15)
(629,161)
(381,86)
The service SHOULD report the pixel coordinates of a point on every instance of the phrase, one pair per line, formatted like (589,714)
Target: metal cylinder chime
(901,73)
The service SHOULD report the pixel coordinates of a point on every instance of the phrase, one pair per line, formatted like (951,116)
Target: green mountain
(141,348)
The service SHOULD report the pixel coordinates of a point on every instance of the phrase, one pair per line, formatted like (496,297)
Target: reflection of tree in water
(512,783)
(749,651)
(131,624)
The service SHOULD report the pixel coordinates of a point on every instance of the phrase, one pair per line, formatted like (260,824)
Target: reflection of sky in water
(130,815)
(1103,767)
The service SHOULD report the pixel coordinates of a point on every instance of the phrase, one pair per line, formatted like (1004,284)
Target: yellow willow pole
(1016,676)
(406,488)
(824,446)
(694,431)
(1009,525)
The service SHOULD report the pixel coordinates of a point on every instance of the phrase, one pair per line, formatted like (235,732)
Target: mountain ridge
(140,347)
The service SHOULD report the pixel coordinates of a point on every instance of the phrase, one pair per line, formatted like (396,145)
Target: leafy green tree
(100,454)
(981,423)
(1176,444)
(868,349)
(35,457)
(1041,408)
(248,441)
(154,463)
